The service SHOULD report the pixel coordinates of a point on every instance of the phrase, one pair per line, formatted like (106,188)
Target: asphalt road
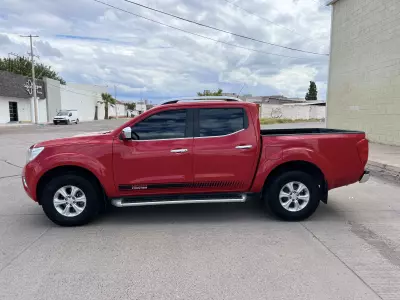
(350,249)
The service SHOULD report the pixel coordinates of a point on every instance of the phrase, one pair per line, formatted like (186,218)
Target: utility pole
(241,90)
(9,62)
(35,103)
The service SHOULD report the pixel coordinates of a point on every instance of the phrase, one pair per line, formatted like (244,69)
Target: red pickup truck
(193,152)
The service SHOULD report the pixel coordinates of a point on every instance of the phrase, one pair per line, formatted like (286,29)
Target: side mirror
(126,133)
(69,115)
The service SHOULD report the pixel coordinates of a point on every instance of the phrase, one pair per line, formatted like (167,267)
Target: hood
(77,139)
(93,133)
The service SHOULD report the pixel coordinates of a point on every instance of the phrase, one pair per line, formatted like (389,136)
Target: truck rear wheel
(70,200)
(292,196)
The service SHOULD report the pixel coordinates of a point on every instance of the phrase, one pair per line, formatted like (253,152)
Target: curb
(385,171)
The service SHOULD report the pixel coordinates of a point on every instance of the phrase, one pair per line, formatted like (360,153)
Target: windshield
(62,113)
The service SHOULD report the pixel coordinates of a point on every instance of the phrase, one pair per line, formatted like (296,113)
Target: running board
(179,199)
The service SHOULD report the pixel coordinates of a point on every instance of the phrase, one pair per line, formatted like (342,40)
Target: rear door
(159,159)
(225,149)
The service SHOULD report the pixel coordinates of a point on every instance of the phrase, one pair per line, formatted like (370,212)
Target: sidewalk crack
(10,163)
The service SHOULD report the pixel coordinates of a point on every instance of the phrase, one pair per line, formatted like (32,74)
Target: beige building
(364,75)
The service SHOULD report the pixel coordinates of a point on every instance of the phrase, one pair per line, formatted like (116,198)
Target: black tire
(77,121)
(55,123)
(272,191)
(90,190)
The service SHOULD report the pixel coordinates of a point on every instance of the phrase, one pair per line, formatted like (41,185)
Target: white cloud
(91,43)
(46,49)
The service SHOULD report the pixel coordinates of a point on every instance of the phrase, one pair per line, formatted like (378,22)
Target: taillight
(362,148)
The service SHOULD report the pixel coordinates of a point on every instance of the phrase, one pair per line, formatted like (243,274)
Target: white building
(84,98)
(17,105)
(280,107)
(115,111)
(141,107)
(364,75)
(16,100)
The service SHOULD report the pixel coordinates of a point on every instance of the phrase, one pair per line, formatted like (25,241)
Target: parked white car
(66,116)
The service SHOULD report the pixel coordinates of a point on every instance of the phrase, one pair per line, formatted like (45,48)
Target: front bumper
(365,177)
(26,178)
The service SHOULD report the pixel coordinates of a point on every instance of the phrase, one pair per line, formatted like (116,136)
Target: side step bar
(192,199)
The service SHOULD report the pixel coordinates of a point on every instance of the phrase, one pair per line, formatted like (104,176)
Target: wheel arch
(299,165)
(62,170)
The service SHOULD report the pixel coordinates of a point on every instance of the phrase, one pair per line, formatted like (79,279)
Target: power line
(196,34)
(265,19)
(221,30)
(38,77)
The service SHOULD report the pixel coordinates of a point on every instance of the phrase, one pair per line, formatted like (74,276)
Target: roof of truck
(201,98)
(192,102)
(206,101)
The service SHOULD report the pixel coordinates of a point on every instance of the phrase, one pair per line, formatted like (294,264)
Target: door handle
(179,150)
(244,147)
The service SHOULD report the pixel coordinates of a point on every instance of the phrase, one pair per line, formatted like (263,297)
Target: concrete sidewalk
(384,161)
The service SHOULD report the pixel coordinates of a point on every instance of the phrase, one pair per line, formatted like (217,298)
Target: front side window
(169,124)
(221,121)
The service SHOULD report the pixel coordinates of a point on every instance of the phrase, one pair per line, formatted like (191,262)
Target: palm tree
(107,100)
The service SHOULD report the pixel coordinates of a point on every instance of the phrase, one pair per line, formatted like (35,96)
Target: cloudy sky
(88,42)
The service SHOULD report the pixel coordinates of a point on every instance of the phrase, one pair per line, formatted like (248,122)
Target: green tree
(107,100)
(312,92)
(210,93)
(23,66)
(130,105)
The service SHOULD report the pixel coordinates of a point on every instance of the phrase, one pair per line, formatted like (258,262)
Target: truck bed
(340,154)
(304,131)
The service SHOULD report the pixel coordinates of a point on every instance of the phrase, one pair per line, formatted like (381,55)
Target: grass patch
(268,121)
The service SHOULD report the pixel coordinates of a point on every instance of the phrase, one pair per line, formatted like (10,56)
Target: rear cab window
(214,122)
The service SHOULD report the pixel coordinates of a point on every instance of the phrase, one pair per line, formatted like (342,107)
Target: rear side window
(169,124)
(221,121)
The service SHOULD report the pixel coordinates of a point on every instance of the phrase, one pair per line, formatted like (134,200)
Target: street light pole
(35,103)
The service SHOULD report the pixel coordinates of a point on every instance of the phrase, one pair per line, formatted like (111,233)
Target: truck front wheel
(292,196)
(70,200)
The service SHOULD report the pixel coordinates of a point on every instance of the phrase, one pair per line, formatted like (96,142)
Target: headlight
(32,153)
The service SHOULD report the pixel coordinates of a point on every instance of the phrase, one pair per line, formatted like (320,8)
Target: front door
(225,150)
(13,108)
(159,158)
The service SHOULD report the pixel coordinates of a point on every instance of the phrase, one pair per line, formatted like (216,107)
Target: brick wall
(364,76)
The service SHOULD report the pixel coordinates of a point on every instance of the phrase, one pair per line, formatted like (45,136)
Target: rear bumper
(365,177)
